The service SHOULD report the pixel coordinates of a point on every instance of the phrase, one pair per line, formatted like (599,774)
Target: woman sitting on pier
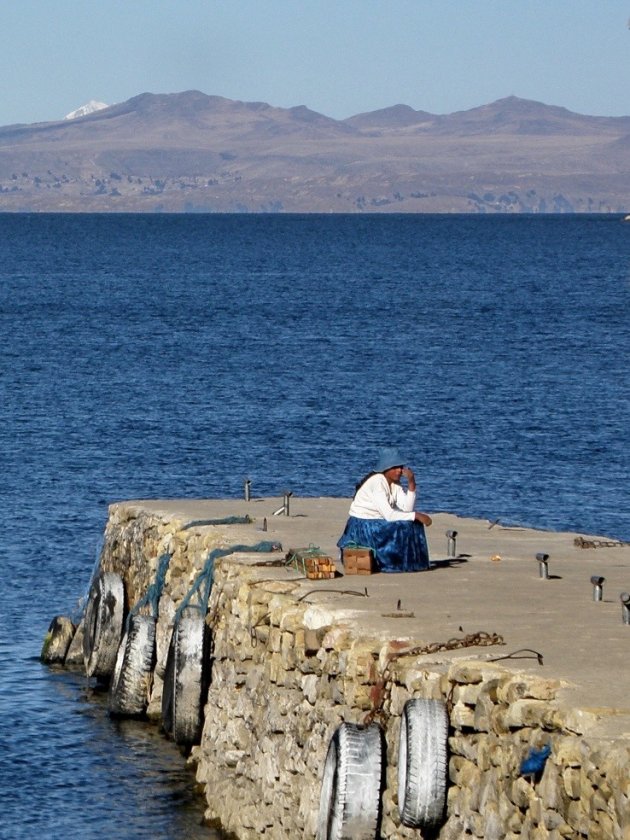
(382,517)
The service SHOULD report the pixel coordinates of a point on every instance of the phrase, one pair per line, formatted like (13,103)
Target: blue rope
(202,585)
(154,591)
(227,520)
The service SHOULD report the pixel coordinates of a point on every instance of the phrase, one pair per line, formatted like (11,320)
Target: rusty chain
(382,688)
(580,542)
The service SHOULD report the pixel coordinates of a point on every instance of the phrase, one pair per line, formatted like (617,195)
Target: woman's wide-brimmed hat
(388,458)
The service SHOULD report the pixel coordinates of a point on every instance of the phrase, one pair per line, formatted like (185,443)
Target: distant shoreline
(189,152)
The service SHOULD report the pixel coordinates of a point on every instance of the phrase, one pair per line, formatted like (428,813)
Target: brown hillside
(192,152)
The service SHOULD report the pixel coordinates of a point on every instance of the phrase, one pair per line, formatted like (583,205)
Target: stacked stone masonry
(286,670)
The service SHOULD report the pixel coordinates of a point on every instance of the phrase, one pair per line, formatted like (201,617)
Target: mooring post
(285,502)
(284,510)
(543,567)
(598,592)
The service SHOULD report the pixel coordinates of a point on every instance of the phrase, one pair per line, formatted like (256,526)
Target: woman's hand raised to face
(411,479)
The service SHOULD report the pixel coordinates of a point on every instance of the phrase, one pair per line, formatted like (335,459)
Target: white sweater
(376,499)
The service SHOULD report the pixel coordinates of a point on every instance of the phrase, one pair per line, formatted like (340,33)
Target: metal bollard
(285,502)
(450,545)
(598,592)
(543,568)
(264,525)
(625,607)
(284,510)
(247,489)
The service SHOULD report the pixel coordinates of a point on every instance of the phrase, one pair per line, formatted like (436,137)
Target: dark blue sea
(174,356)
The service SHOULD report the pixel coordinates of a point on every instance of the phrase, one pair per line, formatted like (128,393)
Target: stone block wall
(287,670)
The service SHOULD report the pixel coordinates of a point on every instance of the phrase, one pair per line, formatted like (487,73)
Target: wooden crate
(358,561)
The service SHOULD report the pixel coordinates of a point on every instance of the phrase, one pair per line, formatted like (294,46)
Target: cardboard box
(358,561)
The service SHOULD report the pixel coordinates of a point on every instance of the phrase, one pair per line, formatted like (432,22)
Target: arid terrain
(189,152)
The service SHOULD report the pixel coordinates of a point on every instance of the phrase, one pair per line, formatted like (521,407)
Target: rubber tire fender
(185,678)
(131,680)
(422,763)
(104,617)
(350,800)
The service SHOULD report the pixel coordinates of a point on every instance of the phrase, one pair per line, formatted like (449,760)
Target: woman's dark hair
(360,484)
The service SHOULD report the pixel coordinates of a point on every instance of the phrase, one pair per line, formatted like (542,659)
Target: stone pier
(520,660)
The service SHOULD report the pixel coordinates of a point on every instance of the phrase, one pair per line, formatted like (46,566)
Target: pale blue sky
(339,57)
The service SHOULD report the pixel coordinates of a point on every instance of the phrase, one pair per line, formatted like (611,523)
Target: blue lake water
(173,356)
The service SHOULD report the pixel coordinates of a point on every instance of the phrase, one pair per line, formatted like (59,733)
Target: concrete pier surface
(491,585)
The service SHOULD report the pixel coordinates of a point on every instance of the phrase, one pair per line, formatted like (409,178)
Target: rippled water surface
(72,772)
(151,356)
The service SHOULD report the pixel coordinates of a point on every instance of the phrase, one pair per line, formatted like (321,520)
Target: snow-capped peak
(89,108)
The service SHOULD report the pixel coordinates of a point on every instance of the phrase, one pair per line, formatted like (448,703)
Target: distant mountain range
(189,152)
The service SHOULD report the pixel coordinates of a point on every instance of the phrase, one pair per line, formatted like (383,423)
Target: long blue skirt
(399,546)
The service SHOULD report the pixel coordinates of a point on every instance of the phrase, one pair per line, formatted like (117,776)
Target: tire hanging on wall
(350,800)
(131,680)
(104,616)
(185,679)
(422,763)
